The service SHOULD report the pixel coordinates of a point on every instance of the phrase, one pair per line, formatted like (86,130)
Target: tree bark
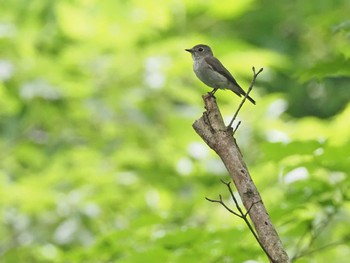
(217,136)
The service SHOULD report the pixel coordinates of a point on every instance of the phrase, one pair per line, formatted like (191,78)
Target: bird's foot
(211,94)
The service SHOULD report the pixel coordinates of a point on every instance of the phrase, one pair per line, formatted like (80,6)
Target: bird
(212,73)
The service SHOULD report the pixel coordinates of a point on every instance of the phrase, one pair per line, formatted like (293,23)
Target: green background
(98,159)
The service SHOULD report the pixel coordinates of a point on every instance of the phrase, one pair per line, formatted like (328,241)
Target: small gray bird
(212,73)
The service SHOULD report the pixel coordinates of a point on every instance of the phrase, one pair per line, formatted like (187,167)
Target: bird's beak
(189,50)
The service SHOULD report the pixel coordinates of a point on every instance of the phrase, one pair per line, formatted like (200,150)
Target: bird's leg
(213,92)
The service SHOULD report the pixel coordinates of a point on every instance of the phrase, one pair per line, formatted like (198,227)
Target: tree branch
(240,215)
(211,128)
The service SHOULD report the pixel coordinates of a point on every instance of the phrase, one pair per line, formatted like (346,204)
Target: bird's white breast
(208,75)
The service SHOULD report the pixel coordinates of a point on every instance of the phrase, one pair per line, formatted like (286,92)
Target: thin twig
(246,95)
(224,205)
(241,214)
(234,131)
(251,206)
(233,196)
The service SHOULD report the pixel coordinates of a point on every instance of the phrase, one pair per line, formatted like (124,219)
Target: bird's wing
(216,65)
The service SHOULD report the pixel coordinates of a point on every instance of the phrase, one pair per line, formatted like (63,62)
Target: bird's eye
(200,49)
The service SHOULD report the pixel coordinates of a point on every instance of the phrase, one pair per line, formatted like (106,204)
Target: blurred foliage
(99,162)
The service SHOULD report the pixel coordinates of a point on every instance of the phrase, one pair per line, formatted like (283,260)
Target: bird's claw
(211,94)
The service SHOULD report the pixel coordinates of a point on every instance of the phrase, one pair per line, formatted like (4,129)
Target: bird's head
(200,51)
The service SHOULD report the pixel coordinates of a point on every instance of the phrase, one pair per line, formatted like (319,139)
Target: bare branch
(224,205)
(241,215)
(212,129)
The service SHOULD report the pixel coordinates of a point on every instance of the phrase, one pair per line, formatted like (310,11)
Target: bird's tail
(239,91)
(249,98)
